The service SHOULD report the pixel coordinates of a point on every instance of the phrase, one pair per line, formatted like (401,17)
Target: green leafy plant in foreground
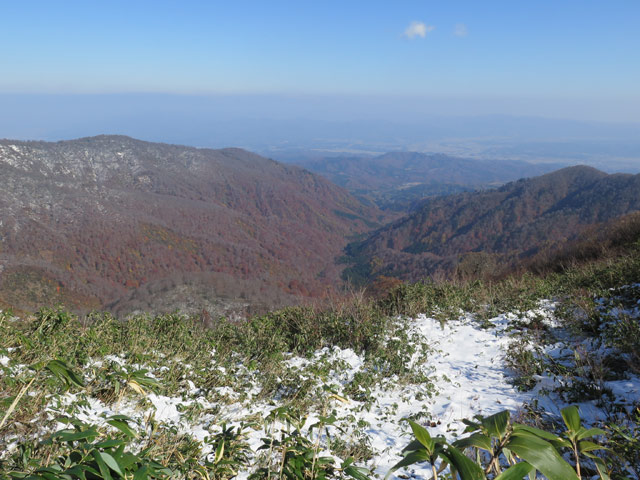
(576,439)
(84,453)
(504,450)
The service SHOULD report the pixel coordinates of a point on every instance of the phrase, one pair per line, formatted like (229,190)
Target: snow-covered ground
(463,360)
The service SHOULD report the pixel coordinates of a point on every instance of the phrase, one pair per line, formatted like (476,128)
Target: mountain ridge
(494,229)
(396,180)
(104,215)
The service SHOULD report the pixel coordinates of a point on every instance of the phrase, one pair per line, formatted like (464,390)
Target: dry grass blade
(13,405)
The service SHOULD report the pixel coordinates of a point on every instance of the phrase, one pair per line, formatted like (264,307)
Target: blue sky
(524,53)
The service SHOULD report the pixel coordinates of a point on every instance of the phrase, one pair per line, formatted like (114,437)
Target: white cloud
(418,29)
(460,30)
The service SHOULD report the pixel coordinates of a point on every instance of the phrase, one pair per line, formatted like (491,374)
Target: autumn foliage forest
(87,222)
(114,223)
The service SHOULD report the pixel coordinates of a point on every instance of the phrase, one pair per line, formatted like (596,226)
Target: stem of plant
(316,447)
(495,455)
(284,458)
(575,453)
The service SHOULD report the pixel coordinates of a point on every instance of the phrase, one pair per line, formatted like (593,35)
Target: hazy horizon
(464,77)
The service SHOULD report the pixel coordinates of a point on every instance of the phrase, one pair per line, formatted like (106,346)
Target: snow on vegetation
(457,369)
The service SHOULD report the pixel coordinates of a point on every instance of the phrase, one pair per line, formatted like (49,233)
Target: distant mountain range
(114,222)
(395,180)
(470,234)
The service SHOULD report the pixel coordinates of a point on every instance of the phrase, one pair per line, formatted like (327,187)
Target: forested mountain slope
(93,221)
(484,231)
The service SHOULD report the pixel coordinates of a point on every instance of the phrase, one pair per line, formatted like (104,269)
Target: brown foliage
(107,215)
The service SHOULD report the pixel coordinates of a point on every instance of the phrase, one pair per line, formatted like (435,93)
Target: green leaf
(125,460)
(141,377)
(67,436)
(478,440)
(413,446)
(219,453)
(64,372)
(413,457)
(111,462)
(496,425)
(38,365)
(50,476)
(471,426)
(541,455)
(536,431)
(51,469)
(347,462)
(123,427)
(571,418)
(141,473)
(516,472)
(587,446)
(104,469)
(90,469)
(592,432)
(77,471)
(110,443)
(359,473)
(422,435)
(557,442)
(126,418)
(467,468)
